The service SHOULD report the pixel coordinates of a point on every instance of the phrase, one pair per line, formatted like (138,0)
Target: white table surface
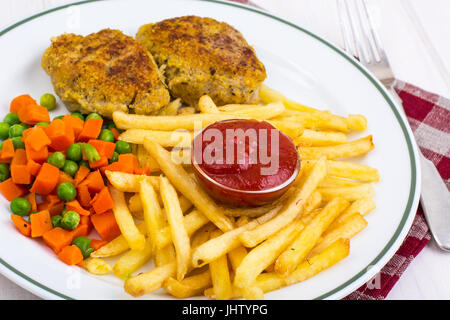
(415,37)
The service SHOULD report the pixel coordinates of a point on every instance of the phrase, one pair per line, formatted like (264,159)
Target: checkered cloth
(429,117)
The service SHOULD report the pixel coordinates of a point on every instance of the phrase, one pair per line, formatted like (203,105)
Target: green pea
(16,130)
(58,117)
(84,163)
(42,124)
(4,172)
(74,152)
(114,158)
(57,159)
(20,206)
(1,145)
(78,115)
(48,100)
(90,152)
(106,135)
(93,116)
(84,244)
(123,147)
(111,125)
(18,143)
(11,118)
(70,220)
(66,191)
(70,167)
(56,221)
(4,130)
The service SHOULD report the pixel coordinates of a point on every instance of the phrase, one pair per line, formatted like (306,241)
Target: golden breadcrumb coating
(104,72)
(204,56)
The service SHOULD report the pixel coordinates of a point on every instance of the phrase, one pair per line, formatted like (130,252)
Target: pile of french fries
(201,247)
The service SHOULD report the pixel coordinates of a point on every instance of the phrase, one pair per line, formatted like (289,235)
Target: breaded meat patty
(104,72)
(204,56)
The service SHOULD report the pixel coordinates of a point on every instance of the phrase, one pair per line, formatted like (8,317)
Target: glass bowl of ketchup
(244,162)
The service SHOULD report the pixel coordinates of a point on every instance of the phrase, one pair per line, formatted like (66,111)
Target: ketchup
(245,155)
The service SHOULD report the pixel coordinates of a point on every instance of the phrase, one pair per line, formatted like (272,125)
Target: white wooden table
(415,37)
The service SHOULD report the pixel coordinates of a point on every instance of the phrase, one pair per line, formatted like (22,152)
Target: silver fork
(361,41)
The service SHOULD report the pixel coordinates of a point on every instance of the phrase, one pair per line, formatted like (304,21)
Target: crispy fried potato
(308,237)
(207,105)
(97,266)
(347,170)
(171,109)
(268,111)
(236,256)
(344,150)
(361,206)
(320,138)
(127,182)
(135,239)
(133,260)
(269,95)
(363,191)
(176,138)
(149,281)
(220,276)
(189,286)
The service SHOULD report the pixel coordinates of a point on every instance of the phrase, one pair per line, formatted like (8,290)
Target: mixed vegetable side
(52,172)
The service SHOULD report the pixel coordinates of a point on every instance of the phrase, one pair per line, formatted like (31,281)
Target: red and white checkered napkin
(429,117)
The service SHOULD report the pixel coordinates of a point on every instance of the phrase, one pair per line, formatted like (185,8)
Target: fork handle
(435,198)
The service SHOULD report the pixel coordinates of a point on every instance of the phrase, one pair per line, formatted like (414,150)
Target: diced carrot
(71,255)
(81,174)
(32,199)
(37,138)
(115,132)
(91,130)
(86,220)
(74,122)
(80,230)
(74,205)
(129,162)
(40,223)
(46,180)
(106,226)
(60,134)
(57,238)
(10,190)
(97,244)
(83,195)
(104,148)
(23,226)
(54,209)
(102,201)
(94,182)
(19,172)
(142,171)
(64,177)
(7,150)
(33,113)
(103,161)
(21,101)
(115,166)
(39,156)
(33,167)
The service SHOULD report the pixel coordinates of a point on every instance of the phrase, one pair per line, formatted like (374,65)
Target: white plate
(299,64)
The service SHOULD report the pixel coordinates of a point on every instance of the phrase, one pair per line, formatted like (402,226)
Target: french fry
(179,234)
(202,235)
(133,260)
(165,256)
(207,105)
(356,122)
(265,254)
(348,228)
(236,256)
(363,191)
(153,216)
(167,123)
(116,246)
(97,266)
(307,238)
(268,111)
(135,203)
(330,256)
(186,110)
(149,281)
(335,182)
(344,150)
(145,160)
(269,95)
(192,222)
(347,170)
(188,186)
(135,239)
(221,245)
(177,138)
(189,286)
(171,109)
(320,138)
(293,208)
(319,120)
(127,182)
(361,206)
(290,128)
(220,276)
(253,293)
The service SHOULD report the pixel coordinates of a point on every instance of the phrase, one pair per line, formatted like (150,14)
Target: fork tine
(346,31)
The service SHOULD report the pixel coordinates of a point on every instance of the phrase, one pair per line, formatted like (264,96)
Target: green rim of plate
(328,44)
